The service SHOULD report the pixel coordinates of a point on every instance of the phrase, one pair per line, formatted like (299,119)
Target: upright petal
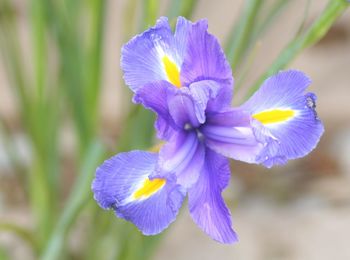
(231,134)
(203,93)
(189,105)
(182,109)
(183,155)
(177,108)
(205,60)
(207,207)
(287,115)
(183,27)
(122,183)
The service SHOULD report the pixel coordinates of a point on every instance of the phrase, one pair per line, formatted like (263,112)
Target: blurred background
(64,109)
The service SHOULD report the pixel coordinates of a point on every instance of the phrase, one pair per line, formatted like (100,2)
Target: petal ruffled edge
(285,117)
(205,60)
(122,183)
(142,57)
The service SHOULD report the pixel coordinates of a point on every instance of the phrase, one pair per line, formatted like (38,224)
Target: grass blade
(317,30)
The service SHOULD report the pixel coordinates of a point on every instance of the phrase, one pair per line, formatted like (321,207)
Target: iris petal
(172,71)
(205,60)
(177,107)
(207,207)
(154,96)
(122,183)
(142,57)
(158,54)
(231,134)
(294,133)
(183,155)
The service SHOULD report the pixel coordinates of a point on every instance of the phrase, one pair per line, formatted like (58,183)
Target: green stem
(318,29)
(150,13)
(39,46)
(94,56)
(181,8)
(269,18)
(76,201)
(241,33)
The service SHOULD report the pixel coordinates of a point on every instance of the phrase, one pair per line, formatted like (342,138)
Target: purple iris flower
(186,80)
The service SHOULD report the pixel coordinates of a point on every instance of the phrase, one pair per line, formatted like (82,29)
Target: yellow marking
(156,148)
(172,71)
(274,116)
(148,188)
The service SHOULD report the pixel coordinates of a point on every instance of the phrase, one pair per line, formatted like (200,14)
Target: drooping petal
(207,207)
(231,134)
(152,56)
(122,183)
(205,60)
(287,115)
(183,155)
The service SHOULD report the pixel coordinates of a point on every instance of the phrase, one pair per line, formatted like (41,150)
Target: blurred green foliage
(49,94)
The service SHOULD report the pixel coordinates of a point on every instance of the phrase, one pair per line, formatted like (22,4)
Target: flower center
(189,127)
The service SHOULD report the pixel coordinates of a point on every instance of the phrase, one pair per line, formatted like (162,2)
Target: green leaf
(317,30)
(181,8)
(241,33)
(76,201)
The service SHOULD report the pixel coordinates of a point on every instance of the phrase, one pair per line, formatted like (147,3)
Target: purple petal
(155,96)
(183,155)
(207,207)
(205,60)
(182,109)
(119,178)
(203,92)
(189,105)
(182,29)
(141,58)
(298,132)
(230,133)
(177,107)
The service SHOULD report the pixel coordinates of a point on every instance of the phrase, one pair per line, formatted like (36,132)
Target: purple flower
(184,78)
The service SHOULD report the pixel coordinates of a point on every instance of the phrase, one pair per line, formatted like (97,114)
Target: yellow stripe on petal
(274,116)
(172,71)
(149,187)
(156,148)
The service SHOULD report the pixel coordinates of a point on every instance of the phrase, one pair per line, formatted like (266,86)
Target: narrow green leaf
(39,46)
(138,130)
(76,201)
(241,33)
(183,8)
(150,13)
(94,59)
(274,12)
(317,30)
